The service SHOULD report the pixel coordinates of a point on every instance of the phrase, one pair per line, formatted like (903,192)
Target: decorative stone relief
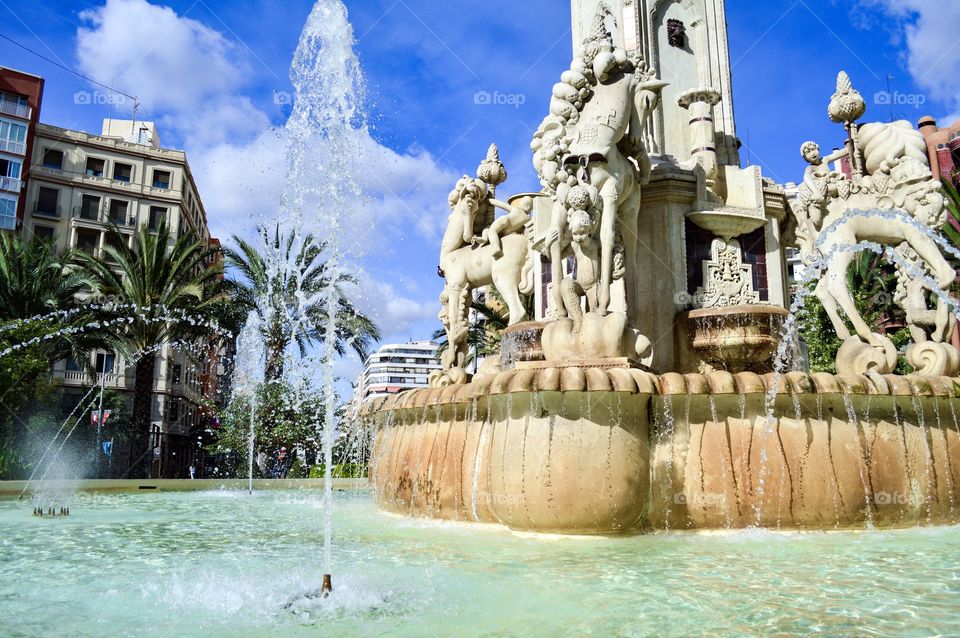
(892,199)
(727,281)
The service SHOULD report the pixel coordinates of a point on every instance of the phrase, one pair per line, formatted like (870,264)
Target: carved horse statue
(467,263)
(899,183)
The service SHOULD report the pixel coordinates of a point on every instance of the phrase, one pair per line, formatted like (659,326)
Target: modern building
(20,97)
(395,368)
(943,146)
(81,185)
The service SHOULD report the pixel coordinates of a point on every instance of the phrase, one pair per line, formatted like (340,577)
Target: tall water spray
(247,377)
(326,136)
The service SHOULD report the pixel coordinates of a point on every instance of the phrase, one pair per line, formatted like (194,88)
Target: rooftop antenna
(890,95)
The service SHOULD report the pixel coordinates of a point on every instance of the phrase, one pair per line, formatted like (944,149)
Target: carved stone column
(703,146)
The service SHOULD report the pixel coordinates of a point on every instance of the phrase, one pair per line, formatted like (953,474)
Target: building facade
(943,147)
(395,368)
(20,97)
(82,185)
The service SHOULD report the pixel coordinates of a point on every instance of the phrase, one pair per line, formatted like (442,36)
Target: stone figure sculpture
(478,250)
(889,173)
(594,136)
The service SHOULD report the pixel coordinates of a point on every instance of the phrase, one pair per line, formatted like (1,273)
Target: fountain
(655,389)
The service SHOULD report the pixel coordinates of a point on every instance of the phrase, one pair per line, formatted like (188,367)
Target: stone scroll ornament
(886,195)
(590,155)
(479,249)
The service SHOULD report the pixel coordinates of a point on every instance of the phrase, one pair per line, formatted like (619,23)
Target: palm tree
(36,280)
(490,318)
(164,282)
(280,294)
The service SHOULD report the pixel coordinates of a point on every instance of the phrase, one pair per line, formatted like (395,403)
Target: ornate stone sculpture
(479,250)
(593,142)
(890,176)
(727,281)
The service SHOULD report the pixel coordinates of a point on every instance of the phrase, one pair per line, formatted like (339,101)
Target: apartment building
(20,97)
(395,368)
(81,185)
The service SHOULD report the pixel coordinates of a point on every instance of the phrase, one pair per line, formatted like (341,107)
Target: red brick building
(943,145)
(20,97)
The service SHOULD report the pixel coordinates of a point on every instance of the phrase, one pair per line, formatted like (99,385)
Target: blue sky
(214,75)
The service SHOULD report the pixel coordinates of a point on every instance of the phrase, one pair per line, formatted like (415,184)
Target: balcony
(80,378)
(103,216)
(15,148)
(10,184)
(17,110)
(89,213)
(50,212)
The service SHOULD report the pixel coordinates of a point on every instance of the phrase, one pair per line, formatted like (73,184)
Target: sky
(214,75)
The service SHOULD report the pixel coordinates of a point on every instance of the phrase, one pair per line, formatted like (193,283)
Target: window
(52,158)
(95,167)
(10,168)
(143,136)
(8,214)
(174,409)
(161,179)
(75,365)
(176,373)
(105,363)
(44,233)
(90,207)
(13,132)
(15,98)
(122,172)
(158,215)
(87,241)
(118,212)
(47,202)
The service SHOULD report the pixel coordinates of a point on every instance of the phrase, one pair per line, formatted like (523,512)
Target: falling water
(247,376)
(814,270)
(326,136)
(863,464)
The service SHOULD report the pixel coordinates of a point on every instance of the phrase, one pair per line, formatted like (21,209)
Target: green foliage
(873,284)
(283,417)
(492,318)
(307,278)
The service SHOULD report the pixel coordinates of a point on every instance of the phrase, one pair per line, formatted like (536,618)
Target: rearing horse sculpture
(468,261)
(834,211)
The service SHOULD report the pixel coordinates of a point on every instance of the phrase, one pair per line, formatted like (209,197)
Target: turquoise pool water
(227,564)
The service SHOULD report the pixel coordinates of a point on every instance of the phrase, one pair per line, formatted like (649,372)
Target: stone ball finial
(846,105)
(491,170)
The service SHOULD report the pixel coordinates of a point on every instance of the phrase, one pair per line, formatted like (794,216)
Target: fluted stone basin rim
(641,382)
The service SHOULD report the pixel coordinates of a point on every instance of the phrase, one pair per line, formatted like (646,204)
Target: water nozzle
(327,587)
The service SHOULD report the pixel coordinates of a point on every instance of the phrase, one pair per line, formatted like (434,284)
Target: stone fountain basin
(736,338)
(607,451)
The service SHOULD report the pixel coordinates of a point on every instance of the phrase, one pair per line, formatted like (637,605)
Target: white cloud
(168,61)
(929,30)
(192,80)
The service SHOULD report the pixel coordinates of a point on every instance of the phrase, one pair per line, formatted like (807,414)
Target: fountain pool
(223,563)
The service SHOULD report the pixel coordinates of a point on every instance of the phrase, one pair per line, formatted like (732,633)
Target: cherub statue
(819,182)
